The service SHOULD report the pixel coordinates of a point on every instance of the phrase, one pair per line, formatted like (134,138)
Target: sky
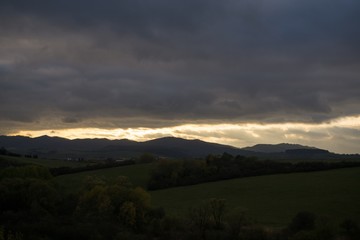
(236,72)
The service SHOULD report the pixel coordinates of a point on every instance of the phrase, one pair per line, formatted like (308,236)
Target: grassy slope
(138,175)
(275,199)
(272,199)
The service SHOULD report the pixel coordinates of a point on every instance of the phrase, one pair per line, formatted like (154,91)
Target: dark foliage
(5,152)
(32,207)
(107,164)
(26,171)
(171,173)
(302,221)
(351,229)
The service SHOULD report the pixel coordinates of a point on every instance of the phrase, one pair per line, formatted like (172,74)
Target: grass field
(138,175)
(274,199)
(271,200)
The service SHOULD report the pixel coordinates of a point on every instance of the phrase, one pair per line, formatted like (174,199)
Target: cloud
(70,120)
(165,63)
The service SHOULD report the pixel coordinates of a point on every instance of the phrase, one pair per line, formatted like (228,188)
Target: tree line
(5,152)
(172,173)
(89,167)
(32,206)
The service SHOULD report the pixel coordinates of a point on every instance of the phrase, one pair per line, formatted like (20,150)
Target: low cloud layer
(119,64)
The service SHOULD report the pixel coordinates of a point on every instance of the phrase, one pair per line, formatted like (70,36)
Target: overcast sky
(163,64)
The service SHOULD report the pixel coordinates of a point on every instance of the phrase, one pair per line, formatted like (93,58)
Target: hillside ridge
(172,147)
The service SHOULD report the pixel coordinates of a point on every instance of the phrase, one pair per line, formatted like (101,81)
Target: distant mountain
(55,147)
(276,148)
(61,148)
(178,147)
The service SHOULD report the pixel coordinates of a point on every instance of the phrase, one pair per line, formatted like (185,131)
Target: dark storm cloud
(171,61)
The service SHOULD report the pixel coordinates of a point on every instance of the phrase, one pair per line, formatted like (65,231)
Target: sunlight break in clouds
(323,135)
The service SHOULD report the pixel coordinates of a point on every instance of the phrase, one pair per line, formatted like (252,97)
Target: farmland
(275,199)
(137,174)
(272,199)
(326,201)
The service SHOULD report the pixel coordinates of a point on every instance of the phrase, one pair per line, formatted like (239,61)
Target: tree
(24,195)
(236,221)
(165,174)
(128,214)
(217,208)
(351,229)
(302,221)
(147,158)
(117,203)
(95,203)
(30,171)
(201,218)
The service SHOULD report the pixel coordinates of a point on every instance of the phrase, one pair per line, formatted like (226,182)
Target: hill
(272,199)
(178,147)
(169,147)
(276,148)
(61,148)
(138,174)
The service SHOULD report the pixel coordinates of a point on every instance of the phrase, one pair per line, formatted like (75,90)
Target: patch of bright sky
(326,135)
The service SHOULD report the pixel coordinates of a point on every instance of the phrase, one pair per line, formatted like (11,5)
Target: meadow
(272,200)
(138,175)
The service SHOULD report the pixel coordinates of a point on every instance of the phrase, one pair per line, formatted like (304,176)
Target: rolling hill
(271,199)
(55,147)
(170,147)
(274,148)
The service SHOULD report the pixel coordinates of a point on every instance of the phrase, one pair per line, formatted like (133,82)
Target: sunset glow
(239,135)
(231,72)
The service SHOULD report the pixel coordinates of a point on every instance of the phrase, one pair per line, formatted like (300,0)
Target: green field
(138,175)
(275,199)
(271,200)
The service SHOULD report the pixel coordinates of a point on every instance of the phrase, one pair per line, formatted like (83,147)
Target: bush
(350,228)
(254,233)
(30,171)
(302,221)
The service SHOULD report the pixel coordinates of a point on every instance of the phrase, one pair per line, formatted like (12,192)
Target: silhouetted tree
(218,209)
(351,229)
(147,158)
(200,218)
(302,221)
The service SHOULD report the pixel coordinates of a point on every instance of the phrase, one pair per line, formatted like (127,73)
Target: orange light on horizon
(239,135)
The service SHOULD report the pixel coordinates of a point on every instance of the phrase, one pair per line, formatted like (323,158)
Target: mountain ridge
(280,147)
(168,146)
(173,147)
